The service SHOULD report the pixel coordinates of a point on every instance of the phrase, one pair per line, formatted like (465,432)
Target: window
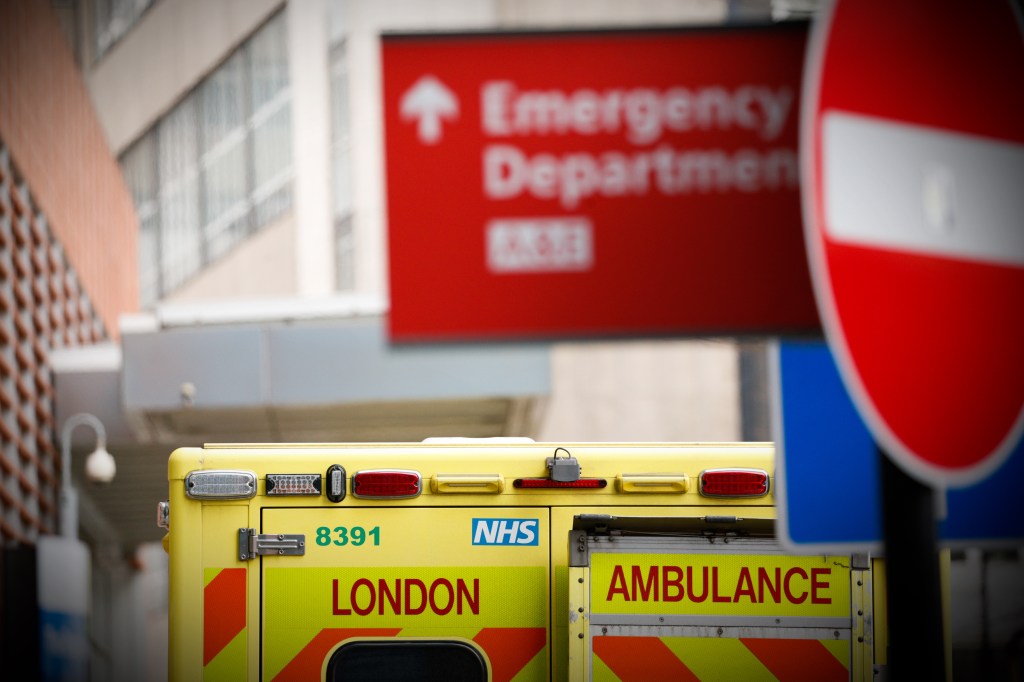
(114,18)
(406,661)
(216,168)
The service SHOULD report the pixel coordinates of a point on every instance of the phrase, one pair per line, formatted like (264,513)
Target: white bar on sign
(563,244)
(923,190)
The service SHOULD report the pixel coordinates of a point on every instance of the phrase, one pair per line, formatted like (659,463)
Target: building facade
(217,270)
(68,270)
(250,138)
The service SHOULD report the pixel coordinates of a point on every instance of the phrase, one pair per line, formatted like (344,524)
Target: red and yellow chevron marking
(509,650)
(309,662)
(224,621)
(638,659)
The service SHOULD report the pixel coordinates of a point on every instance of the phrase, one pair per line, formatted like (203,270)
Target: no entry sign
(913,142)
(593,184)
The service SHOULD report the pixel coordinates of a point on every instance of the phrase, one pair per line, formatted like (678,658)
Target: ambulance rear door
(378,592)
(710,599)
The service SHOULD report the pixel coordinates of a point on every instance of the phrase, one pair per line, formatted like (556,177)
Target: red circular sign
(913,171)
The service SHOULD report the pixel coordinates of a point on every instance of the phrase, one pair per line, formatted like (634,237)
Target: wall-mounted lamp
(99,468)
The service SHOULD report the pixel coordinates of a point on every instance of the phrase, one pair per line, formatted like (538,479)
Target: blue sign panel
(506,532)
(828,477)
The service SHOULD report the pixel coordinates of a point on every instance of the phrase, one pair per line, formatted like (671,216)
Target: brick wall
(43,306)
(68,261)
(48,123)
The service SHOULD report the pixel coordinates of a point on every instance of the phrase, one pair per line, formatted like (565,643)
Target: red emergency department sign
(913,135)
(581,184)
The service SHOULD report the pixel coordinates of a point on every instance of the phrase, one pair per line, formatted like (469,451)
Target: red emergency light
(386,484)
(734,483)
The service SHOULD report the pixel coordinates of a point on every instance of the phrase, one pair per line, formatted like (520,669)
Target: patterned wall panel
(42,307)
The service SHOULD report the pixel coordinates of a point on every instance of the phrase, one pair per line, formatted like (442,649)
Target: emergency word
(645,161)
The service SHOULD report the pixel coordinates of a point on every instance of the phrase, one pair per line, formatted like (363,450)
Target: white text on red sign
(642,116)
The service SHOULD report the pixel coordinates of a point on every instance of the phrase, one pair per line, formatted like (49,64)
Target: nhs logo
(505,532)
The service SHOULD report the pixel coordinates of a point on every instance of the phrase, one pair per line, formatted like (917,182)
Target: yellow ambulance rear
(496,560)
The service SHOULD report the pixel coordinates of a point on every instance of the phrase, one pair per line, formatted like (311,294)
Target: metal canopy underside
(320,380)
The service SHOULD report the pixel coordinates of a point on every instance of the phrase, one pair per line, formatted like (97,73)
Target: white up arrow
(429,101)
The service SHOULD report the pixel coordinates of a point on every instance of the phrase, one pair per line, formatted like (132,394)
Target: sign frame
(694,276)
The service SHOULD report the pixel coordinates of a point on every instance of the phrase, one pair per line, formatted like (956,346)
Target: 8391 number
(347,535)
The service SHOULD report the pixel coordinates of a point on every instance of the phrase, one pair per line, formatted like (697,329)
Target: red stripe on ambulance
(223,611)
(510,649)
(307,664)
(797,660)
(641,659)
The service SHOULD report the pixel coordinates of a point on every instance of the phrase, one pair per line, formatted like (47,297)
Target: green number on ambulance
(323,536)
(342,536)
(355,536)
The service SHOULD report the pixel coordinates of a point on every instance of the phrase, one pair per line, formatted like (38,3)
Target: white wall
(643,391)
(311,145)
(362,22)
(262,266)
(563,13)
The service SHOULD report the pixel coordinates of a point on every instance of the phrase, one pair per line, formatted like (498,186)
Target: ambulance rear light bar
(547,484)
(734,483)
(386,484)
(220,484)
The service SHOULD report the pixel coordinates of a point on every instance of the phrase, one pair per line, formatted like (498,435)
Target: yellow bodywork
(422,568)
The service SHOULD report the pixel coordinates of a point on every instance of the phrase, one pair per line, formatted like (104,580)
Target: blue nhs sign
(518,532)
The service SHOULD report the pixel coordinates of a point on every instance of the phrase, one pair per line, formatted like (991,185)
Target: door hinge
(251,545)
(579,549)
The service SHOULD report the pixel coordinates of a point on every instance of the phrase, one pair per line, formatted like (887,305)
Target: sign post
(913,153)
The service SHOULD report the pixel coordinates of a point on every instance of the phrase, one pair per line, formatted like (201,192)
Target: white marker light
(220,485)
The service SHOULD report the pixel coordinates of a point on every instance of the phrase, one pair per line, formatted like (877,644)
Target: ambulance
(502,559)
